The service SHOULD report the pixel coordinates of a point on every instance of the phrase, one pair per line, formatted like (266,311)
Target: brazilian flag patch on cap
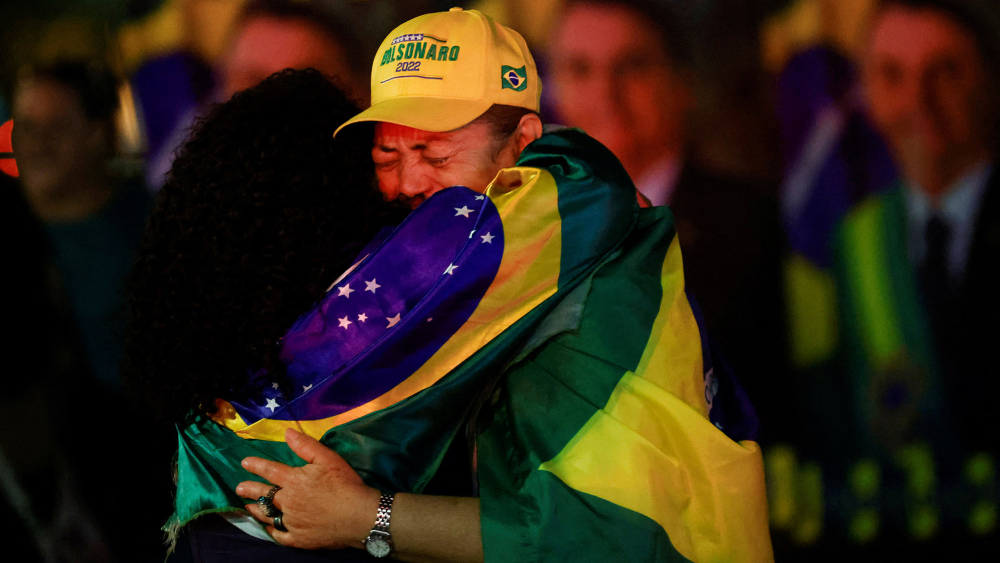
(514,78)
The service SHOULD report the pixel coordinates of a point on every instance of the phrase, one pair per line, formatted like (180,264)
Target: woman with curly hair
(261,211)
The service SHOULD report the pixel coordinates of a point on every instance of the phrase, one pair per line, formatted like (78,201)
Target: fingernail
(239,489)
(244,463)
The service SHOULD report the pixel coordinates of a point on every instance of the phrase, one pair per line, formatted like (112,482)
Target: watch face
(377,546)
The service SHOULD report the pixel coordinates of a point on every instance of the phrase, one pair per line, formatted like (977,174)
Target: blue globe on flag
(513,78)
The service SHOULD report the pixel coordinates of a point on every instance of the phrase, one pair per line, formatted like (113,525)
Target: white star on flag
(274,385)
(362,317)
(344,322)
(451,269)
(346,291)
(307,387)
(463,211)
(271,404)
(371,286)
(480,197)
(392,320)
(487,238)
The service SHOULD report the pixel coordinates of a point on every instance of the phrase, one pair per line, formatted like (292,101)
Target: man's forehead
(392,135)
(614,27)
(912,34)
(265,45)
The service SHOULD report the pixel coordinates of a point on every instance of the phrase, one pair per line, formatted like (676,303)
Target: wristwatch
(379,540)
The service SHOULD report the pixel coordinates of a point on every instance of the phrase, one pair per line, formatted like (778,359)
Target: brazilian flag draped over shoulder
(552,311)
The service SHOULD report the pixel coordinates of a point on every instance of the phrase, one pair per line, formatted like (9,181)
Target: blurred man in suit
(621,71)
(930,80)
(908,399)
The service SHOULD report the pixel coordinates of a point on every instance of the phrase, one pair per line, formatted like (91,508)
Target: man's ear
(528,130)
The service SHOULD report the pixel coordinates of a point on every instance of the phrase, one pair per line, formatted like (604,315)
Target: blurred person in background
(273,35)
(269,36)
(64,139)
(902,422)
(622,71)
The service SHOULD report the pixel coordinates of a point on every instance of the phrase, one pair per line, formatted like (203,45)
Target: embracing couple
(491,357)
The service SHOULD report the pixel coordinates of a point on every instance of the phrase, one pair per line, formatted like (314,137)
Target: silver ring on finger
(278,524)
(266,503)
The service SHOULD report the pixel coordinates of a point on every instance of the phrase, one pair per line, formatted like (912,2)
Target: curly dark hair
(260,213)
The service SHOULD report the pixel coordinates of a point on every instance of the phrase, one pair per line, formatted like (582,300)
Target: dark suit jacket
(968,344)
(732,245)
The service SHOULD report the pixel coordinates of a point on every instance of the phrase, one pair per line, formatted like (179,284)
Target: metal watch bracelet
(379,540)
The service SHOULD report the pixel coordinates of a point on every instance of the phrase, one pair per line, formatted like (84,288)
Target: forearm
(325,505)
(434,529)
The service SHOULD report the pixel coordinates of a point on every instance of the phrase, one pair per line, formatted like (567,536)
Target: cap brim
(427,114)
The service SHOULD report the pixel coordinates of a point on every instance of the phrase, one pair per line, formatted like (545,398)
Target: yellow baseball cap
(440,71)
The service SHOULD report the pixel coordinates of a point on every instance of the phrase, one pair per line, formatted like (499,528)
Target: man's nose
(609,103)
(928,97)
(913,96)
(414,182)
(602,95)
